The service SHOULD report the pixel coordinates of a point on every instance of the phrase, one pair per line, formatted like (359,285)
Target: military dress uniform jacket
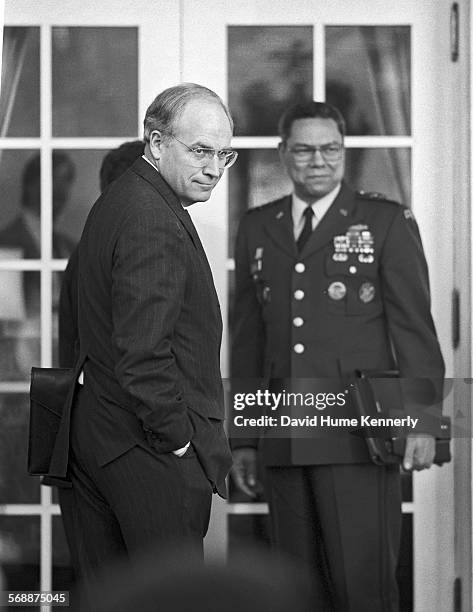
(356,297)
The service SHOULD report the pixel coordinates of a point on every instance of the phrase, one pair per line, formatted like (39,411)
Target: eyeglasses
(202,156)
(330,152)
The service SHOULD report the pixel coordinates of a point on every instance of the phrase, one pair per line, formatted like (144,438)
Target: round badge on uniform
(367,292)
(337,290)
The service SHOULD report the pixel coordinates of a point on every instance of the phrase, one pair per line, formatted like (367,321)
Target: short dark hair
(309,110)
(163,112)
(118,160)
(31,177)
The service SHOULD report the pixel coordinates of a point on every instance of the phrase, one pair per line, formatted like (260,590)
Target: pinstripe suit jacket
(150,326)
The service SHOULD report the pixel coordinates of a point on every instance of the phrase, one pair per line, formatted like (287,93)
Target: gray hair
(166,108)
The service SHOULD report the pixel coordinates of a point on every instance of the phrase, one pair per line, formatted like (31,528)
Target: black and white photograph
(236,305)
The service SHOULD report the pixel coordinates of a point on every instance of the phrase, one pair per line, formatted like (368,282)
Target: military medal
(357,241)
(257,264)
(341,245)
(367,292)
(365,242)
(337,290)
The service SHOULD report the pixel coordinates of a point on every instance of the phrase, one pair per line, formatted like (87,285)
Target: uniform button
(299,267)
(299,294)
(299,348)
(352,269)
(298,321)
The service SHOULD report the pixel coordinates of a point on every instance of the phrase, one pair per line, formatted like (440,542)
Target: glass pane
(20,98)
(20,204)
(269,68)
(20,555)
(19,324)
(368,77)
(62,569)
(76,187)
(16,487)
(255,179)
(386,171)
(102,101)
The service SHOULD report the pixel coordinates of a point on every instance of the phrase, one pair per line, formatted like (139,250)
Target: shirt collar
(319,207)
(151,164)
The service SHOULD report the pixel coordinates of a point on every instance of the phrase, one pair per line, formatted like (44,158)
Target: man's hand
(419,453)
(244,471)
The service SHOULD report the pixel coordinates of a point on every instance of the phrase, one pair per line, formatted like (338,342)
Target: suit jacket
(325,312)
(150,326)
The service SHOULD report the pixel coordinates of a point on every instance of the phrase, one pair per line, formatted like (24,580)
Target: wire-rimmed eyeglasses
(331,152)
(202,156)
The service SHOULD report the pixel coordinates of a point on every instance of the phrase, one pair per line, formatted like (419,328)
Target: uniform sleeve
(406,296)
(148,283)
(248,333)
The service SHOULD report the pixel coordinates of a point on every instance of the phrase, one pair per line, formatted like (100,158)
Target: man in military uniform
(329,281)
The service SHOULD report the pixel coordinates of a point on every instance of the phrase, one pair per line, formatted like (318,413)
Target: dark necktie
(306,230)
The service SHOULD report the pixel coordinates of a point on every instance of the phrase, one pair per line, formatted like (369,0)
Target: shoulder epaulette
(266,206)
(375,196)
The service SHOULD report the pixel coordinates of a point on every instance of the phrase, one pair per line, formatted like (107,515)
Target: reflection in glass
(20,204)
(19,99)
(19,545)
(368,72)
(62,570)
(257,178)
(16,487)
(95,81)
(386,171)
(75,189)
(269,68)
(19,324)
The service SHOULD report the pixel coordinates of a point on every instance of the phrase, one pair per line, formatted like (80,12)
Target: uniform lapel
(279,226)
(340,211)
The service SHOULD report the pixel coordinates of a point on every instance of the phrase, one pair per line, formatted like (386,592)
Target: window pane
(16,487)
(20,204)
(95,81)
(19,324)
(257,178)
(19,99)
(76,187)
(368,72)
(19,543)
(269,68)
(386,171)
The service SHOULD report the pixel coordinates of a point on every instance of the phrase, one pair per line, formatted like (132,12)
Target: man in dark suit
(147,446)
(113,166)
(329,281)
